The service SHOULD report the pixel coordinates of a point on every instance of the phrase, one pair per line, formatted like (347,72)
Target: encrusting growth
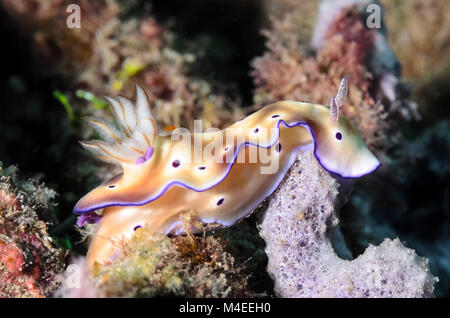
(297,227)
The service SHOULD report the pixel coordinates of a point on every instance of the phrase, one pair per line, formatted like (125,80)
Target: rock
(297,228)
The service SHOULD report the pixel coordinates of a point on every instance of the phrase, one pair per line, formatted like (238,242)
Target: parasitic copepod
(217,176)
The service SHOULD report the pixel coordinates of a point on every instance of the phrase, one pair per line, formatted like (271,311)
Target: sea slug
(215,177)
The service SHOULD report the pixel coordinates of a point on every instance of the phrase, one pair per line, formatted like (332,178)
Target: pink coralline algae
(297,227)
(29,261)
(20,267)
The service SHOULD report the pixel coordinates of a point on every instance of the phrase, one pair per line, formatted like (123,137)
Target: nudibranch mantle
(163,176)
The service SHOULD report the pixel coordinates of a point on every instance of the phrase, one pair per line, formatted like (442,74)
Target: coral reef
(124,42)
(138,51)
(113,51)
(296,227)
(152,265)
(419,32)
(29,259)
(345,48)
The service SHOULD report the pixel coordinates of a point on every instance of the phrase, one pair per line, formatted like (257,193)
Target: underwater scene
(225,149)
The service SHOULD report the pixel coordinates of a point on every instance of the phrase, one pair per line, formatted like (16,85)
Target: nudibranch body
(218,176)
